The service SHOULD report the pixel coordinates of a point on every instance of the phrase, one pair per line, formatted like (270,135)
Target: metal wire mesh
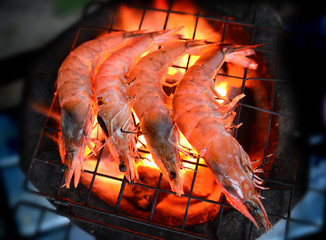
(73,208)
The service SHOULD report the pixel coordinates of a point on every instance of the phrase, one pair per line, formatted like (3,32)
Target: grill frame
(68,207)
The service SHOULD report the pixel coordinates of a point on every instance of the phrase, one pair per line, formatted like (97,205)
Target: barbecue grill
(285,179)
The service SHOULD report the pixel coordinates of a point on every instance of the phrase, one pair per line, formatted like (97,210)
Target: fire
(221,88)
(129,19)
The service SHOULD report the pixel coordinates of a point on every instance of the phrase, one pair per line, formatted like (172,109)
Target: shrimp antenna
(144,158)
(88,144)
(182,148)
(124,131)
(189,153)
(92,153)
(258,160)
(131,81)
(143,144)
(179,148)
(134,119)
(190,169)
(144,151)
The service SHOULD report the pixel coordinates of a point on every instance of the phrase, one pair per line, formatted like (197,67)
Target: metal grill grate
(78,204)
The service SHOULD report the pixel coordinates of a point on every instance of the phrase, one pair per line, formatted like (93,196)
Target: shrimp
(204,122)
(150,107)
(112,103)
(75,92)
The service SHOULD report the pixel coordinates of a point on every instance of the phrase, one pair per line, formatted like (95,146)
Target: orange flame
(221,88)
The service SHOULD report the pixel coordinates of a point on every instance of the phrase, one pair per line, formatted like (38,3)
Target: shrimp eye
(99,101)
(122,167)
(172,174)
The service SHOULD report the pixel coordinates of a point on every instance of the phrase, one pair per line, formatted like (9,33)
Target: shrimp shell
(150,107)
(112,103)
(204,122)
(75,92)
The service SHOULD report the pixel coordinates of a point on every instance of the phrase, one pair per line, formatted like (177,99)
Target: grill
(286,178)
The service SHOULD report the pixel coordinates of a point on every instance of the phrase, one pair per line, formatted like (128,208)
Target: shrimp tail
(238,55)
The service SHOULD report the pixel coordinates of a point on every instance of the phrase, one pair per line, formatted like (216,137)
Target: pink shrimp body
(112,103)
(204,122)
(75,91)
(155,118)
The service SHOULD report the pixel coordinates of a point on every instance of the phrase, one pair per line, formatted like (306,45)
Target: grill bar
(69,203)
(191,189)
(155,198)
(78,205)
(282,183)
(291,198)
(65,201)
(265,110)
(93,178)
(220,217)
(243,87)
(122,188)
(237,77)
(208,17)
(269,125)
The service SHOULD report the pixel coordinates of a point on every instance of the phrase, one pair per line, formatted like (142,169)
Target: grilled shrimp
(75,91)
(155,118)
(204,122)
(112,103)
